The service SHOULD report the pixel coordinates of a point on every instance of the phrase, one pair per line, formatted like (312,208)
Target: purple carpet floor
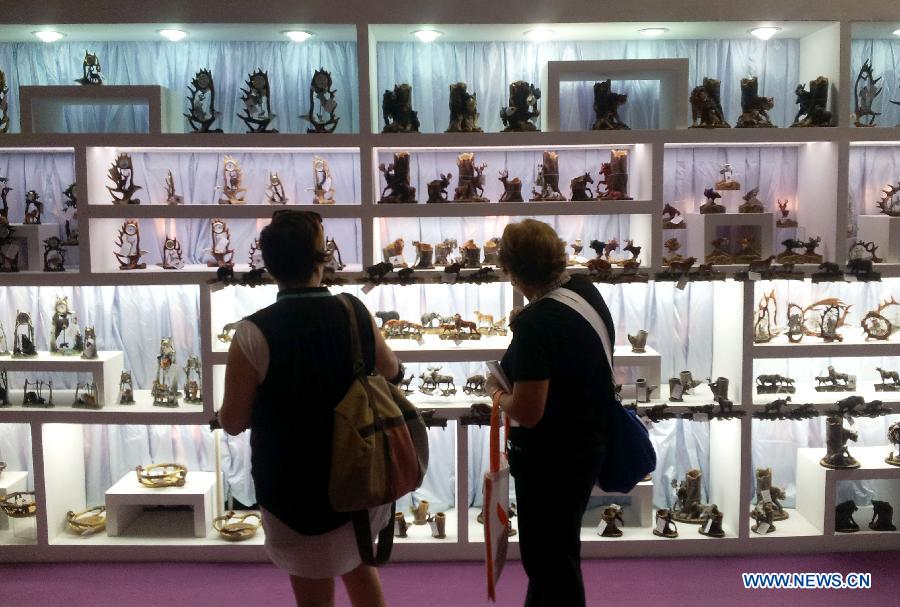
(647,582)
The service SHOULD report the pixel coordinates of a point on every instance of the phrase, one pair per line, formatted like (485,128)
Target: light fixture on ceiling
(172,35)
(896,32)
(48,36)
(539,34)
(298,35)
(653,31)
(427,35)
(764,33)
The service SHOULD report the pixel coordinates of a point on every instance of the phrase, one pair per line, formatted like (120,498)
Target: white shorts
(328,555)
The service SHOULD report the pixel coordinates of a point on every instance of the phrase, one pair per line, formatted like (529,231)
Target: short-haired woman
(561,381)
(288,366)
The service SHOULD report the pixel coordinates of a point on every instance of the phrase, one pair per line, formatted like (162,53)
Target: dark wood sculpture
(396,109)
(865,91)
(397,176)
(812,104)
(547,179)
(257,101)
(836,437)
(437,188)
(522,108)
(470,184)
(202,111)
(606,108)
(322,104)
(754,109)
(512,188)
(463,110)
(706,106)
(614,177)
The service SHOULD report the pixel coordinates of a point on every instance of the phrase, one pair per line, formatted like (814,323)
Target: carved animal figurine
(836,437)
(711,206)
(470,184)
(512,188)
(377,272)
(614,177)
(437,189)
(711,522)
(882,516)
(475,386)
(754,109)
(751,203)
(777,408)
(91,70)
(606,107)
(764,517)
(522,108)
(634,250)
(688,507)
(638,342)
(397,177)
(766,492)
(396,109)
(812,104)
(580,189)
(610,515)
(784,221)
(706,107)
(463,112)
(894,439)
(665,526)
(547,179)
(865,91)
(386,315)
(843,517)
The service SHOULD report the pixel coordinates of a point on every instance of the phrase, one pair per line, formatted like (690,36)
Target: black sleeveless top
(310,371)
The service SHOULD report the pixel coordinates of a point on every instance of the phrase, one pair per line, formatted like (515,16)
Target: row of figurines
(124,190)
(34,209)
(421,516)
(723,253)
(613,176)
(822,319)
(831,381)
(255,100)
(10,250)
(65,336)
(128,249)
(469,255)
(524,98)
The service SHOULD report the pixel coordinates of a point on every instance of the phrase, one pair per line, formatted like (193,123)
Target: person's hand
(512,315)
(491,385)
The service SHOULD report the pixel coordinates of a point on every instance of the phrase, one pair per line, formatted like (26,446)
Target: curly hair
(532,253)
(292,245)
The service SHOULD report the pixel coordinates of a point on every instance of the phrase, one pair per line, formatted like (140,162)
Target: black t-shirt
(554,342)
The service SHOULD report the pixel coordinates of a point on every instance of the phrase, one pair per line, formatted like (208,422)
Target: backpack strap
(363,531)
(359,365)
(578,303)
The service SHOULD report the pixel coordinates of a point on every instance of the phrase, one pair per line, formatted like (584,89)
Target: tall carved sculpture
(470,184)
(463,110)
(706,106)
(754,109)
(257,100)
(396,174)
(202,111)
(396,108)
(547,179)
(522,108)
(812,104)
(606,107)
(322,104)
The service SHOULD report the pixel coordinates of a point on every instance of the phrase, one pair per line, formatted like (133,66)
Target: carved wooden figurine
(812,104)
(128,245)
(606,107)
(201,98)
(322,104)
(256,99)
(754,109)
(706,106)
(463,110)
(522,108)
(547,179)
(396,108)
(470,184)
(397,176)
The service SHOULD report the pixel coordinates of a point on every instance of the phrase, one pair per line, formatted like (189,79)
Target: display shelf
(158,529)
(33,235)
(518,209)
(825,401)
(795,525)
(21,532)
(219,211)
(128,499)
(42,106)
(817,485)
(11,481)
(854,345)
(141,412)
(421,534)
(106,369)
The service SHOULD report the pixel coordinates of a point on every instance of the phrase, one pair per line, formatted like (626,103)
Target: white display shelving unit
(823,154)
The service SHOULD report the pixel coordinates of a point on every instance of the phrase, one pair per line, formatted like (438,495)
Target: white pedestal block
(640,512)
(672,75)
(884,231)
(106,369)
(42,107)
(702,229)
(648,363)
(30,239)
(126,500)
(10,482)
(817,485)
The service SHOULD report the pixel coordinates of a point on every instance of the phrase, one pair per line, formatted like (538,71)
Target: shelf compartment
(106,369)
(223,211)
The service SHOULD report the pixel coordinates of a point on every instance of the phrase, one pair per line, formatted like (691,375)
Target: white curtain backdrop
(489,67)
(689,171)
(871,170)
(15,450)
(885,57)
(290,67)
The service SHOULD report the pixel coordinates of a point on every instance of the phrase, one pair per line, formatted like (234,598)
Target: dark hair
(292,245)
(532,253)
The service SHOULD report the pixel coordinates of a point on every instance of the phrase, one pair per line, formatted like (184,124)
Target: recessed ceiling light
(298,35)
(653,31)
(896,32)
(173,35)
(540,34)
(427,35)
(764,33)
(48,36)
